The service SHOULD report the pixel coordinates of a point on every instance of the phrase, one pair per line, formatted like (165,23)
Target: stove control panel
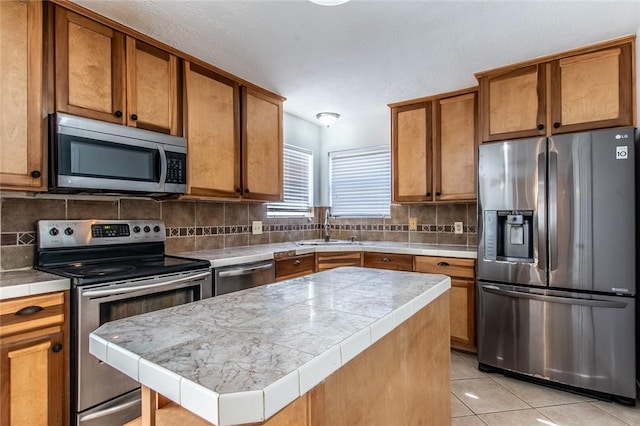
(78,233)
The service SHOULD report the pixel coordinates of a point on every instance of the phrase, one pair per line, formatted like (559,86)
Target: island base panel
(404,378)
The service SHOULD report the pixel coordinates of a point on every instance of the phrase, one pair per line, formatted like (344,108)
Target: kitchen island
(346,346)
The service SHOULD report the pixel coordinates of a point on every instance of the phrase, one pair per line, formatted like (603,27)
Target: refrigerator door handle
(553,211)
(555,299)
(541,212)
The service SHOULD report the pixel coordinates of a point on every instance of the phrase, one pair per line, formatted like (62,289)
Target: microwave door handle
(116,291)
(163,167)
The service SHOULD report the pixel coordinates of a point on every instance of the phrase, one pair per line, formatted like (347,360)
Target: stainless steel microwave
(94,156)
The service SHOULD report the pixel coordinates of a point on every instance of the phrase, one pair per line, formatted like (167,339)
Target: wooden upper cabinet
(592,90)
(513,103)
(583,89)
(22,120)
(455,147)
(105,75)
(411,152)
(262,174)
(90,68)
(152,88)
(212,125)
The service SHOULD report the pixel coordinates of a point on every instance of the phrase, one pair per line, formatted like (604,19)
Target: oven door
(97,384)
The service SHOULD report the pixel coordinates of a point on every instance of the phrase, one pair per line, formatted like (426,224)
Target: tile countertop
(241,357)
(247,254)
(29,283)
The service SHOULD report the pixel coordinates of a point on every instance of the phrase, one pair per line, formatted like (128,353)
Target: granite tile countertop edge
(241,357)
(30,282)
(247,254)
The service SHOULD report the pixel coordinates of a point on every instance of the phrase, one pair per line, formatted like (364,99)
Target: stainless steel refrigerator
(557,260)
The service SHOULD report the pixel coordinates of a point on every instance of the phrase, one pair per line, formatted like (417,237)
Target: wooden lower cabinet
(295,266)
(330,260)
(463,303)
(397,262)
(34,380)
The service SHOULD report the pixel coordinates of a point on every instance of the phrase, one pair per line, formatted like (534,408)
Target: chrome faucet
(327,226)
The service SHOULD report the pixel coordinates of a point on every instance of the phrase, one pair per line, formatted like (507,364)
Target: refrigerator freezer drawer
(586,341)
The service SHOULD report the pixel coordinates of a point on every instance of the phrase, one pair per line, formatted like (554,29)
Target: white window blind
(298,183)
(360,182)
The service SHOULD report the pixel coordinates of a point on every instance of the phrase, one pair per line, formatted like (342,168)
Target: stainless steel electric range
(118,269)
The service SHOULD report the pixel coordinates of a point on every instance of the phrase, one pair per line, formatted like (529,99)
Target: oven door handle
(123,290)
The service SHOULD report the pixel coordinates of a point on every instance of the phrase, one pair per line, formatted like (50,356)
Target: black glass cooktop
(92,272)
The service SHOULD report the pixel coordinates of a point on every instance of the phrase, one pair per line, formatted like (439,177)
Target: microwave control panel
(176,168)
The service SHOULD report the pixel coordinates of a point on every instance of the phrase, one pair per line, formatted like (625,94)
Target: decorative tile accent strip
(9,239)
(26,238)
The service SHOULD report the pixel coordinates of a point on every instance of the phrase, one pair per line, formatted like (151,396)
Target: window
(298,184)
(360,182)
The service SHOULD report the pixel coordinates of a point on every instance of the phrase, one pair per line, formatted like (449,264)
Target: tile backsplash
(205,225)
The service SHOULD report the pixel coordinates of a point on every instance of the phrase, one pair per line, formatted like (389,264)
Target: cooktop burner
(99,251)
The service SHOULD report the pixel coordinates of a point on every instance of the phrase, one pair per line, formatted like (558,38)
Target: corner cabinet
(434,148)
(22,122)
(234,138)
(462,299)
(103,74)
(587,88)
(33,359)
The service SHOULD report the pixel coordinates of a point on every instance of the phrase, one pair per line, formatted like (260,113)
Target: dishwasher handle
(244,271)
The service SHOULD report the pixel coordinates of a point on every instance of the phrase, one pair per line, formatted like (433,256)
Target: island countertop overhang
(241,357)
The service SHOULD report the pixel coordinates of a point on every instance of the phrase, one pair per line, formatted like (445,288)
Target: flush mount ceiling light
(328,2)
(327,118)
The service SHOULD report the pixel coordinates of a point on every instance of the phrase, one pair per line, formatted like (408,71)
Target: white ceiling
(357,57)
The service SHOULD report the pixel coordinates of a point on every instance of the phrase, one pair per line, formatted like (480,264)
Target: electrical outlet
(457,227)
(413,224)
(256,227)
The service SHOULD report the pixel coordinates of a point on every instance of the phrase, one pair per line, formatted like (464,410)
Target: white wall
(301,133)
(346,133)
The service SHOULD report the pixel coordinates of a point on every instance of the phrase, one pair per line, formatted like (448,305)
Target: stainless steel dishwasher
(239,277)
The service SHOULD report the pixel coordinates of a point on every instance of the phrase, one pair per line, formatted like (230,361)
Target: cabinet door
(32,381)
(455,148)
(512,104)
(261,146)
(592,90)
(462,313)
(90,63)
(212,131)
(21,79)
(293,267)
(152,88)
(411,153)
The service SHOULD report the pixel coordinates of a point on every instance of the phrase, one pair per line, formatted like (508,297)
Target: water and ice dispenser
(508,235)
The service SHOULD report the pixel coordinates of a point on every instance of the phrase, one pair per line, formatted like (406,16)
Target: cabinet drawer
(29,313)
(398,262)
(293,267)
(454,267)
(330,260)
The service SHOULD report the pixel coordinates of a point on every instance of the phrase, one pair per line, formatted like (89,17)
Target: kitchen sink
(327,243)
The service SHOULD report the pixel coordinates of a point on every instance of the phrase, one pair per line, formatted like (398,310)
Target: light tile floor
(479,399)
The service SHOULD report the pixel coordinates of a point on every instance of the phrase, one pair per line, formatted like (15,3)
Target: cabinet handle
(57,347)
(29,310)
(556,125)
(386,259)
(36,174)
(428,194)
(118,114)
(134,117)
(443,263)
(540,126)
(246,190)
(437,194)
(297,262)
